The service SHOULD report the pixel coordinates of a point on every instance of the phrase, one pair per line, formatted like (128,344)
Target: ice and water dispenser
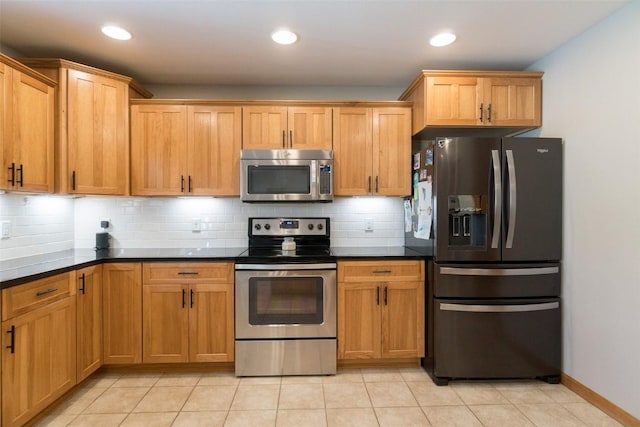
(467,220)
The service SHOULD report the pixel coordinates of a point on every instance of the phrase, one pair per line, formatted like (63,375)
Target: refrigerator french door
(498,231)
(498,199)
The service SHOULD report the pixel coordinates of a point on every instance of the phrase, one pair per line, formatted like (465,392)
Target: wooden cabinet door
(353,151)
(211,327)
(358,320)
(403,320)
(89,320)
(122,312)
(392,151)
(165,323)
(453,101)
(310,128)
(29,133)
(38,360)
(214,144)
(97,132)
(158,150)
(513,101)
(5,79)
(264,128)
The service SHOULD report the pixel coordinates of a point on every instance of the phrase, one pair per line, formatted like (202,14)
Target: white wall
(311,93)
(592,100)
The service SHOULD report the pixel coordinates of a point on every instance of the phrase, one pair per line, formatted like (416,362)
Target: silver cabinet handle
(381,271)
(455,271)
(511,167)
(188,273)
(497,202)
(515,308)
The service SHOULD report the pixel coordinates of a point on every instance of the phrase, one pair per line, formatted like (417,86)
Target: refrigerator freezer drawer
(506,338)
(497,280)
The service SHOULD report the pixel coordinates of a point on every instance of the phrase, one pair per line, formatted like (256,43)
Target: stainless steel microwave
(286,175)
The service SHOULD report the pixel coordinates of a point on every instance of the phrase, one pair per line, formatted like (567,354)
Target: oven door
(285,301)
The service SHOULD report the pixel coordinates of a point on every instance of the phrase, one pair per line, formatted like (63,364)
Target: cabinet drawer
(23,298)
(376,270)
(187,272)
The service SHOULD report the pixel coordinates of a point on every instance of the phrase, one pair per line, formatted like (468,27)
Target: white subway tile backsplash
(42,224)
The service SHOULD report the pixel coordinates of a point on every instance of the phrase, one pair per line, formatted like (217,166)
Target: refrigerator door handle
(511,229)
(534,271)
(499,308)
(497,202)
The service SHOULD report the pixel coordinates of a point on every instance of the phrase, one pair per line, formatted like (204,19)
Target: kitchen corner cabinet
(372,151)
(89,320)
(188,312)
(92,127)
(122,313)
(478,99)
(38,346)
(26,128)
(380,309)
(185,149)
(286,127)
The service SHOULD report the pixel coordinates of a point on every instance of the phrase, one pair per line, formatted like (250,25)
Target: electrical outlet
(196,225)
(6,229)
(368,224)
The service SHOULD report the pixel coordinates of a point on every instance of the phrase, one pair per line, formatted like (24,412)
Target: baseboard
(378,363)
(606,406)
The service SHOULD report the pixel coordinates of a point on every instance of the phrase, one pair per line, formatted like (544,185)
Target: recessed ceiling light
(116,32)
(284,37)
(442,39)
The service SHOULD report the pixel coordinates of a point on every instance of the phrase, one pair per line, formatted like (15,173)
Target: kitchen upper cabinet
(188,312)
(282,127)
(89,320)
(38,346)
(214,141)
(380,309)
(122,313)
(506,101)
(158,152)
(372,151)
(92,127)
(185,150)
(27,127)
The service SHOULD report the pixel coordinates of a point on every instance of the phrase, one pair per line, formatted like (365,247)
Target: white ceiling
(341,42)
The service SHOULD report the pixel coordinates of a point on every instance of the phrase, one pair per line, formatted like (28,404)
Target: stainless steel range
(285,299)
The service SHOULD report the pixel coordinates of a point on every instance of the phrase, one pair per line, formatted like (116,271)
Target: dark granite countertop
(21,270)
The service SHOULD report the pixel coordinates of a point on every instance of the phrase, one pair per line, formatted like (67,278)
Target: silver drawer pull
(499,308)
(188,273)
(48,291)
(381,271)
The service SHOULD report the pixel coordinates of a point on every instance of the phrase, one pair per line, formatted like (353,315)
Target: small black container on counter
(102,240)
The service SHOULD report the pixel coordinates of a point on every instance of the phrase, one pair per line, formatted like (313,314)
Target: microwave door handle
(511,229)
(497,198)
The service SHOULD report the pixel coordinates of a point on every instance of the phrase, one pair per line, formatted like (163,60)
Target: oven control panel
(288,227)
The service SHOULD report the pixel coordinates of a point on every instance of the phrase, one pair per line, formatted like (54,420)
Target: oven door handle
(513,308)
(271,267)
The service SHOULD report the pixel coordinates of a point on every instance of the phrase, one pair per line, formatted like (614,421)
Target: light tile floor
(390,397)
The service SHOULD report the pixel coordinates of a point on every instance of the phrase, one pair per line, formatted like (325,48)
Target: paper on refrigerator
(424,211)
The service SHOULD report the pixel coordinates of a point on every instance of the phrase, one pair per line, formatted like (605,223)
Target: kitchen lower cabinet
(89,320)
(122,313)
(380,309)
(38,346)
(188,312)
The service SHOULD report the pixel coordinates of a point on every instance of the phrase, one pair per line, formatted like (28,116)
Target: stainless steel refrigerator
(497,206)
